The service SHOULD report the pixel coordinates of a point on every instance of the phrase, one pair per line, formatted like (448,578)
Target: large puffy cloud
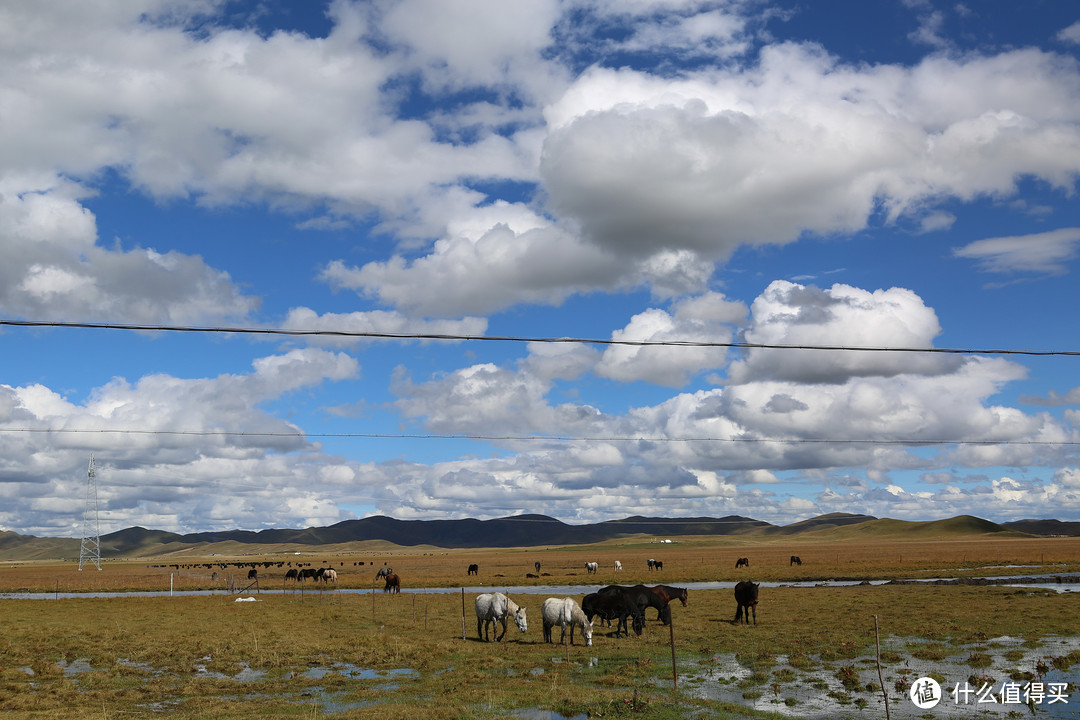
(801,144)
(489,400)
(220,113)
(704,319)
(670,175)
(484,273)
(844,317)
(476,42)
(54,270)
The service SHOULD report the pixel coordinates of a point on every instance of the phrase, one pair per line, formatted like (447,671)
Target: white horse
(591,567)
(563,612)
(618,566)
(329,575)
(494,608)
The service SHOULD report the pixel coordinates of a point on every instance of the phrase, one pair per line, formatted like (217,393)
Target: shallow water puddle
(246,674)
(75,667)
(818,689)
(538,714)
(333,702)
(358,673)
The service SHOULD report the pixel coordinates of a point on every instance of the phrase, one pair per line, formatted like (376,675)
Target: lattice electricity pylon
(90,550)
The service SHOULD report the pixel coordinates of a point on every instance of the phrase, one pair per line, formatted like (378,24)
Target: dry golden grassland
(690,559)
(370,654)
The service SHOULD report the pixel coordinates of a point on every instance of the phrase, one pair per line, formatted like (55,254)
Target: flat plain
(350,650)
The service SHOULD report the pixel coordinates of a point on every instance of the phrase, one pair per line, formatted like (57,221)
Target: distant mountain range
(517,531)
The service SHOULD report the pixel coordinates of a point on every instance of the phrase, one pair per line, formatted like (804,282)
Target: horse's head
(586,630)
(520,620)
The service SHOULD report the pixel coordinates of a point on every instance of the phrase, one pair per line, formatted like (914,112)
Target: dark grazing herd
(626,605)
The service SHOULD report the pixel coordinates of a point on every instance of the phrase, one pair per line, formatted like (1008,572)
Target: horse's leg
(754,609)
(500,637)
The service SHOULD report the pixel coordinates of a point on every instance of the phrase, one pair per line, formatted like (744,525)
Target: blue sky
(742,172)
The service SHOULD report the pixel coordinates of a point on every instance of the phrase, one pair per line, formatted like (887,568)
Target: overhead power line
(548,438)
(360,334)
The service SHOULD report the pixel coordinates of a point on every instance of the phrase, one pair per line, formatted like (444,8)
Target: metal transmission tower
(90,551)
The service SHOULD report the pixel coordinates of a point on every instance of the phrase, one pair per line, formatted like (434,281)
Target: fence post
(462,613)
(881,678)
(671,628)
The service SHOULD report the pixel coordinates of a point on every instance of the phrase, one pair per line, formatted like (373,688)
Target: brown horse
(393,583)
(665,594)
(742,562)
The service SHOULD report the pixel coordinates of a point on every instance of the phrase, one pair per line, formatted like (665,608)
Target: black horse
(615,605)
(746,595)
(645,597)
(795,560)
(474,569)
(742,562)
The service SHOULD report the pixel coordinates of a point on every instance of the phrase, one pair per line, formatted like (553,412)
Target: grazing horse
(746,595)
(667,593)
(563,612)
(657,565)
(393,583)
(642,597)
(306,573)
(291,574)
(329,575)
(614,605)
(253,574)
(663,595)
(537,566)
(474,569)
(795,560)
(742,562)
(618,566)
(383,572)
(495,608)
(591,567)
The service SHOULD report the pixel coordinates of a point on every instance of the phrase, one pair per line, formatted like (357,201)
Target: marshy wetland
(328,653)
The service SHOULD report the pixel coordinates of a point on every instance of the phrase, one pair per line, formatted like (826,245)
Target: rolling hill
(518,531)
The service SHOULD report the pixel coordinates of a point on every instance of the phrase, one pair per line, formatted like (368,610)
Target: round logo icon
(925,693)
